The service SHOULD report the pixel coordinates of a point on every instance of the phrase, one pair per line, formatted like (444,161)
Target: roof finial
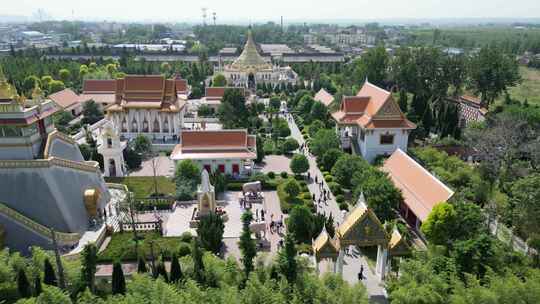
(366,80)
(361,200)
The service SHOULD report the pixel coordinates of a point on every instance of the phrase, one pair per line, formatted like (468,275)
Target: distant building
(421,190)
(324,97)
(250,69)
(228,151)
(371,123)
(470,109)
(68,101)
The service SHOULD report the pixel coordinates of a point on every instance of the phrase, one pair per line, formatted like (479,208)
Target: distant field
(530,87)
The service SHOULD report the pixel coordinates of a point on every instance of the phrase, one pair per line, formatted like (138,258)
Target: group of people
(276,226)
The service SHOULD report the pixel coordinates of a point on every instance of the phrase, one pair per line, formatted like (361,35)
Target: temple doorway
(112,168)
(251,81)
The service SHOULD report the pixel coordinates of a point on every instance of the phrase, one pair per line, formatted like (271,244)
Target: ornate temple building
(371,123)
(150,105)
(250,69)
(46,183)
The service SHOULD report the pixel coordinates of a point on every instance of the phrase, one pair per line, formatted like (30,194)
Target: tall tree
(176,272)
(247,244)
(88,269)
(287,263)
(118,280)
(49,276)
(23,286)
(300,223)
(299,164)
(198,265)
(232,112)
(492,72)
(141,265)
(373,65)
(37,285)
(210,232)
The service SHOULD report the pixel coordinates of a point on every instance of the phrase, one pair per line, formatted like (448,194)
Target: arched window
(124,125)
(156,126)
(145,126)
(134,127)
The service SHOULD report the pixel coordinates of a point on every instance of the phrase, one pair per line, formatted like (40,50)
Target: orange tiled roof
(65,98)
(217,92)
(94,86)
(372,108)
(214,144)
(420,189)
(324,97)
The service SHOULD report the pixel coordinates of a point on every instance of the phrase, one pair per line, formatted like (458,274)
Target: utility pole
(59,267)
(282,24)
(214,17)
(204,11)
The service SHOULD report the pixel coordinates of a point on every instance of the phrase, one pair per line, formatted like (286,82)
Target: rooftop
(420,189)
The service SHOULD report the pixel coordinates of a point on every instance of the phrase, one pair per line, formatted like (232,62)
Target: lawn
(529,88)
(122,246)
(143,186)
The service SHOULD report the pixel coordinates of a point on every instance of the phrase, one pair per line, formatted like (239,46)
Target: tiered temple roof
(250,57)
(372,108)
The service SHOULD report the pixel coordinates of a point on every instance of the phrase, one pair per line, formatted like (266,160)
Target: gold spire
(250,57)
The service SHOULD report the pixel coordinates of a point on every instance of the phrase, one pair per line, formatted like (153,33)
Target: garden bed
(143,186)
(122,246)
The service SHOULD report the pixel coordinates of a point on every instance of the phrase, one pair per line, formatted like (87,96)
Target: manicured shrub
(304,188)
(186,237)
(302,183)
(335,188)
(304,249)
(184,249)
(328,178)
(340,198)
(284,174)
(344,206)
(271,175)
(307,195)
(325,173)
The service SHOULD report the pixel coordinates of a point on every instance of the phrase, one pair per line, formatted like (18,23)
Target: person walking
(361,273)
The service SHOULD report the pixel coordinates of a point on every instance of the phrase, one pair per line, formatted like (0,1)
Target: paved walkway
(164,167)
(354,260)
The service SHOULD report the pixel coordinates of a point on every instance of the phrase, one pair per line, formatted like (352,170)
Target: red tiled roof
(219,91)
(65,98)
(181,85)
(221,139)
(93,86)
(372,108)
(420,189)
(324,97)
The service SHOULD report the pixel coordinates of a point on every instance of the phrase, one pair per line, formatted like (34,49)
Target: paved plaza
(276,163)
(164,167)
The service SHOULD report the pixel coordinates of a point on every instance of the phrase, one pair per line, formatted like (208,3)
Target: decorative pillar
(382,258)
(340,260)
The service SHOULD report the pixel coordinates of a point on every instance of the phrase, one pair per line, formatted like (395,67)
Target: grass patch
(286,202)
(143,186)
(122,246)
(529,88)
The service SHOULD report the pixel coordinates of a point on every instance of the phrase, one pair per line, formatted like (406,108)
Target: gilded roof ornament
(250,57)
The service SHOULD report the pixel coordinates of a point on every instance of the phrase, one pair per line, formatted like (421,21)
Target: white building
(371,123)
(148,105)
(228,151)
(250,69)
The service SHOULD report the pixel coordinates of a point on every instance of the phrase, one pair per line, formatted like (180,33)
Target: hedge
(122,247)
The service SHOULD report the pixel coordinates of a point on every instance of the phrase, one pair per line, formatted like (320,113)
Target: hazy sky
(246,10)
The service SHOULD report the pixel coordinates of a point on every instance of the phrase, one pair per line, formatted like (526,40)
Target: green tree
(437,227)
(88,269)
(64,75)
(247,245)
(198,265)
(314,127)
(274,103)
(91,113)
(329,159)
(403,101)
(188,170)
(204,111)
(292,188)
(323,141)
(492,72)
(210,232)
(176,271)
(142,144)
(346,166)
(49,275)
(319,111)
(290,145)
(56,86)
(38,288)
(219,81)
(300,223)
(232,111)
(373,65)
(118,280)
(299,164)
(526,199)
(161,272)
(260,149)
(141,265)
(23,286)
(287,263)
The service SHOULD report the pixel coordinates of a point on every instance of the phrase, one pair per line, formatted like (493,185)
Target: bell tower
(111,149)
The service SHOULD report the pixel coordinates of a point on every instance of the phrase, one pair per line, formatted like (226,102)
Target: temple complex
(250,69)
(149,105)
(371,123)
(46,183)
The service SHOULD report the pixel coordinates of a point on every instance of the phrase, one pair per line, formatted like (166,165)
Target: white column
(382,257)
(317,271)
(340,260)
(118,162)
(139,122)
(106,166)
